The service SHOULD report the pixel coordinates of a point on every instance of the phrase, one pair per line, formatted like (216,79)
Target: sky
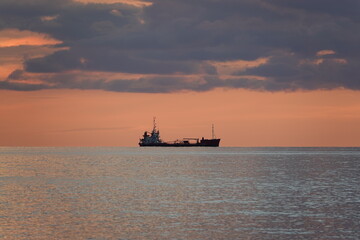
(96,72)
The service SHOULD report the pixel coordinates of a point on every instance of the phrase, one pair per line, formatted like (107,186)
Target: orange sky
(242,118)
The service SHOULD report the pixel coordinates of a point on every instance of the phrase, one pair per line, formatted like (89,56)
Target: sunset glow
(14,38)
(136,3)
(241,118)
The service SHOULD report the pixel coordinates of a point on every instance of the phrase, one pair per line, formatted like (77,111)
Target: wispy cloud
(92,129)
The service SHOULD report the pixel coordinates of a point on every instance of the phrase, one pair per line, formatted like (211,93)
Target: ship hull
(203,143)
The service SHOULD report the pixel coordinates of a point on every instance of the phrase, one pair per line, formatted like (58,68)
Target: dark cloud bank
(182,36)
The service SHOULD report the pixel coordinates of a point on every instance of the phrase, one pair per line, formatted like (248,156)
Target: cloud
(287,72)
(93,129)
(14,37)
(130,2)
(325,52)
(177,45)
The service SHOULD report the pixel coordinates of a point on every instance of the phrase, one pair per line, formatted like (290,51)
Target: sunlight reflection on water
(203,193)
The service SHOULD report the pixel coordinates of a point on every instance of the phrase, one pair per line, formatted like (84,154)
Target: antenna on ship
(213,134)
(154,122)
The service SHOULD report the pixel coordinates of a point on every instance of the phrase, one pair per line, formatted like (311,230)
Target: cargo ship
(152,139)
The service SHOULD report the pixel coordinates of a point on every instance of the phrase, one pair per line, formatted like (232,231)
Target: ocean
(179,193)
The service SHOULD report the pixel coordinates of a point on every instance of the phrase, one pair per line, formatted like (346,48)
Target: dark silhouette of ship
(152,139)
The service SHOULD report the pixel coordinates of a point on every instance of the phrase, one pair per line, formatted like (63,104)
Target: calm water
(181,193)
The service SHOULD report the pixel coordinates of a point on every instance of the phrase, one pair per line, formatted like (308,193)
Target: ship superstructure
(152,139)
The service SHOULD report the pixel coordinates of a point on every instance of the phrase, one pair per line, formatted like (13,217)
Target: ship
(152,139)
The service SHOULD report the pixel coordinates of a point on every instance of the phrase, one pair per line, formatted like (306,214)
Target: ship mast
(154,124)
(213,134)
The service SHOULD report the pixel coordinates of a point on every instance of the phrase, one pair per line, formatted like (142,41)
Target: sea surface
(179,193)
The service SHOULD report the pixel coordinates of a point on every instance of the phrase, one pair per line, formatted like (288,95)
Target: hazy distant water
(181,193)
